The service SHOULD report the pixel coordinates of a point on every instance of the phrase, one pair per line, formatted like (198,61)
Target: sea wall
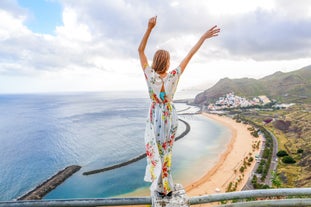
(139,157)
(44,188)
(41,190)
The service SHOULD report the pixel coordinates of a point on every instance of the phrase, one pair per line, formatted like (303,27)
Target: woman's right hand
(152,22)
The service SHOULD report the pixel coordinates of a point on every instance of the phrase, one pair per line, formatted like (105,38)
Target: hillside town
(231,100)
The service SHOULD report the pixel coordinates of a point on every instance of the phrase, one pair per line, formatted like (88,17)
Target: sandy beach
(227,169)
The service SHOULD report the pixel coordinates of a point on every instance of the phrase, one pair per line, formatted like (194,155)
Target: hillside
(292,128)
(293,86)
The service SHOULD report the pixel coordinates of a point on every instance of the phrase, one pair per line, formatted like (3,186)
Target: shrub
(288,160)
(229,187)
(250,128)
(281,153)
(266,153)
(259,169)
(300,151)
(255,134)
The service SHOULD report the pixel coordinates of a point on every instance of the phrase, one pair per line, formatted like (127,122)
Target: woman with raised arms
(162,120)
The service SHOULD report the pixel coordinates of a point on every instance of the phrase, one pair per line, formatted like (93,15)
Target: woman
(162,121)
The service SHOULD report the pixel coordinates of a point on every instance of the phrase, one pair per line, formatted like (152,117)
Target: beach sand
(227,168)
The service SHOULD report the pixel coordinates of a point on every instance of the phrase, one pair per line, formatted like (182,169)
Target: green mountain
(288,87)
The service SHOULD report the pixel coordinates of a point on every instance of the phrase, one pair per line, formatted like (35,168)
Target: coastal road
(274,160)
(273,166)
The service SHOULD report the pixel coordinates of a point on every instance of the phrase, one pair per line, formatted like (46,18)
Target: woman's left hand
(212,32)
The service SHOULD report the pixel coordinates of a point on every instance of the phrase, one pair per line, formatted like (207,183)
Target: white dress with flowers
(160,130)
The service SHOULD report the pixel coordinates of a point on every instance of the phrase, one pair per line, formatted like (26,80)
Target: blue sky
(91,45)
(43,15)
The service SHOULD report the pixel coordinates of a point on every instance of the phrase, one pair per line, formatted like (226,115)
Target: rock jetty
(139,157)
(41,190)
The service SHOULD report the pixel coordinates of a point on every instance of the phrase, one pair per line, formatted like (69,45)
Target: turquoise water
(43,133)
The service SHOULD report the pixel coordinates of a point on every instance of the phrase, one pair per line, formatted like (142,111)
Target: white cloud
(72,30)
(237,7)
(11,26)
(96,47)
(294,9)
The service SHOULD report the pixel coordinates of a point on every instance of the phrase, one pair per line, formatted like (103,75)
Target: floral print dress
(160,129)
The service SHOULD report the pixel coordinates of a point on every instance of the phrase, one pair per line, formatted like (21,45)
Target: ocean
(41,134)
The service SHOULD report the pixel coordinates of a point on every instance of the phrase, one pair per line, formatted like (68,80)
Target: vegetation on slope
(292,127)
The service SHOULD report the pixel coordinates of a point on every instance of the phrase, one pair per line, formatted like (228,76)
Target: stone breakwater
(44,188)
(139,157)
(41,190)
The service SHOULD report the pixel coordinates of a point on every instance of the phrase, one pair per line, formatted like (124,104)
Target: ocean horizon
(44,133)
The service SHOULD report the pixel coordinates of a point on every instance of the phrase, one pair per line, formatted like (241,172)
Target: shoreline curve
(137,158)
(221,159)
(226,169)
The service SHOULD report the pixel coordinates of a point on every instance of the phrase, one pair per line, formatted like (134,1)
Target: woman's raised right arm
(141,49)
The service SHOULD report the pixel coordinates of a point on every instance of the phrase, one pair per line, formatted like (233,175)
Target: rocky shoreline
(41,190)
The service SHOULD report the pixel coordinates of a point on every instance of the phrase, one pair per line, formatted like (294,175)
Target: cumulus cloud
(13,8)
(23,51)
(102,36)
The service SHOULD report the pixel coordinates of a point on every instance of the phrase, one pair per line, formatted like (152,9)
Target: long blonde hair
(161,61)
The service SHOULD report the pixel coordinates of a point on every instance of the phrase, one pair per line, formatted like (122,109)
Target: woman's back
(156,84)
